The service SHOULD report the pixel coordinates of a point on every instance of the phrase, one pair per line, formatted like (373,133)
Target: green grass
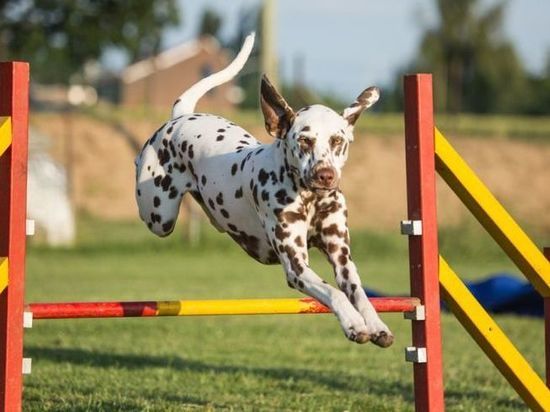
(269,363)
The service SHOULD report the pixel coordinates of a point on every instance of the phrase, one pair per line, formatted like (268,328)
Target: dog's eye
(336,141)
(306,143)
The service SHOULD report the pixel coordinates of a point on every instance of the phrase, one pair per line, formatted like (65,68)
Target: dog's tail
(187,101)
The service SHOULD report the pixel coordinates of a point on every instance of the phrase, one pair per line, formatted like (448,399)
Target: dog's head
(316,138)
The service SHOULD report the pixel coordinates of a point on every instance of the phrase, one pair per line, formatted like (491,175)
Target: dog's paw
(358,336)
(382,339)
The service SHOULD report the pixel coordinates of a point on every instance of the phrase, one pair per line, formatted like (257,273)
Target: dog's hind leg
(162,179)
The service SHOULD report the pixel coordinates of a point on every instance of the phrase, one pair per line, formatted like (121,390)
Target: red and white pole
(423,244)
(14,102)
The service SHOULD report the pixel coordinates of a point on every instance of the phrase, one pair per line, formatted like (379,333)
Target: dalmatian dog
(275,200)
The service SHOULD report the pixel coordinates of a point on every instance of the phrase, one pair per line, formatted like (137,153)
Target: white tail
(188,100)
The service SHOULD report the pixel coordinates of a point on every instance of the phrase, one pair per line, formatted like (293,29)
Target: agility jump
(426,151)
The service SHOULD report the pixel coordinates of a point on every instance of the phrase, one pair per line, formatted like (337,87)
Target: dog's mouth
(321,189)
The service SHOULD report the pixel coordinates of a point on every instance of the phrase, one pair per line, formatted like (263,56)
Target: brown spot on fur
(280,233)
(343,260)
(345,273)
(331,247)
(292,217)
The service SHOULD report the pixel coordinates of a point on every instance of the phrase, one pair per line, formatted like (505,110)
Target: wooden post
(547,327)
(14,102)
(423,248)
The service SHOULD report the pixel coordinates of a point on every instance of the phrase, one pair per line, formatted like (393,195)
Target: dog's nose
(325,176)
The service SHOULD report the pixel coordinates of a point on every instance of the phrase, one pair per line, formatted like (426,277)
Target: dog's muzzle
(323,178)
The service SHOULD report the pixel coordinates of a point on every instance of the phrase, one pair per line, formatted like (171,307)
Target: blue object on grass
(501,293)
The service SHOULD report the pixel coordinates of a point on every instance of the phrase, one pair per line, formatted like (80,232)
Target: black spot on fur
(181,167)
(262,177)
(220,137)
(219,199)
(282,197)
(156,201)
(163,156)
(172,148)
(157,181)
(239,193)
(168,225)
(184,146)
(211,204)
(190,152)
(255,194)
(173,193)
(224,213)
(166,182)
(234,169)
(265,195)
(221,130)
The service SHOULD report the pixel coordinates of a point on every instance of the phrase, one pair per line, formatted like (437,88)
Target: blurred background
(104,76)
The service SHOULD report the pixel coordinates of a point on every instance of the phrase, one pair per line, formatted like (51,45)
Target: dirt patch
(374,178)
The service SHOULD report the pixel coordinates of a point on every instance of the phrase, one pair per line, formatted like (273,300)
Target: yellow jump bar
(490,213)
(5,134)
(492,340)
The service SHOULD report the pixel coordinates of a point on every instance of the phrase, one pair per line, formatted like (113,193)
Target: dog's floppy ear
(278,115)
(365,100)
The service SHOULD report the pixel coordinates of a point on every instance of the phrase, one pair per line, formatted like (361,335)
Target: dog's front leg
(291,248)
(333,240)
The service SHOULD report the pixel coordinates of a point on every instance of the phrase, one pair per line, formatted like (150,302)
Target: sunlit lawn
(237,363)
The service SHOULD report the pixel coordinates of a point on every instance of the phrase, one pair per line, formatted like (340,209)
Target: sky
(348,45)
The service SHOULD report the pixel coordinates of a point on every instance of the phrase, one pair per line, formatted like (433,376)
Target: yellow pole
(490,213)
(492,340)
(238,307)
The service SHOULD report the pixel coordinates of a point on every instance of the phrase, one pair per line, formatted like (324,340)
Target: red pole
(547,327)
(423,249)
(14,102)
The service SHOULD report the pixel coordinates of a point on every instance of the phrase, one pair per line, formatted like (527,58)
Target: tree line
(475,66)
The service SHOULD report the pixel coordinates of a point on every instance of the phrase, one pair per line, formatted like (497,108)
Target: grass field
(270,363)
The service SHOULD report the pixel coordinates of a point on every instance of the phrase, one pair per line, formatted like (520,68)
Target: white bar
(27,320)
(416,355)
(29,227)
(27,366)
(419,313)
(411,227)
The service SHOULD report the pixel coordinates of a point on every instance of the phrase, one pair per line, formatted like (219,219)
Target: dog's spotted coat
(275,200)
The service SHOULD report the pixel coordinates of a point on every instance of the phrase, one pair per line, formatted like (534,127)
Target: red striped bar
(72,310)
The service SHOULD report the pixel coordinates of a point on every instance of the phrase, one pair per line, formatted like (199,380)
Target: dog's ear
(365,100)
(278,115)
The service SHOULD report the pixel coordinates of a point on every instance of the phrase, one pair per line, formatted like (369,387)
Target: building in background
(158,81)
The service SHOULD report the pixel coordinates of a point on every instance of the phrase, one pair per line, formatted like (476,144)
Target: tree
(475,68)
(210,24)
(59,36)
